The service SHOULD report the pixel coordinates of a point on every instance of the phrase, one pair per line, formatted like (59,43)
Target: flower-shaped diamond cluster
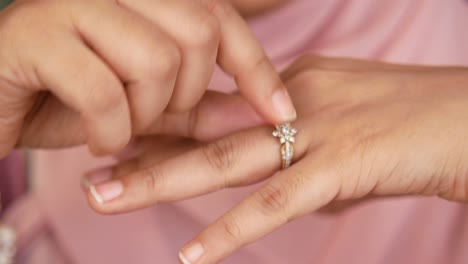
(285,133)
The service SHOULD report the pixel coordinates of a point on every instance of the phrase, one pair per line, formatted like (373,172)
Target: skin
(252,8)
(367,130)
(69,77)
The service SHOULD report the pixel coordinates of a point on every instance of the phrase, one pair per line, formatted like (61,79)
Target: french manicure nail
(283,105)
(191,254)
(106,191)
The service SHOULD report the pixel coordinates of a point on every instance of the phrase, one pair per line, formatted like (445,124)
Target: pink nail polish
(191,254)
(106,191)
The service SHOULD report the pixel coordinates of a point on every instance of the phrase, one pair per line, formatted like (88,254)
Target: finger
(242,56)
(216,115)
(290,194)
(151,151)
(221,164)
(196,32)
(145,58)
(82,81)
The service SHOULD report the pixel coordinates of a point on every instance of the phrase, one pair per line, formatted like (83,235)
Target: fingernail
(283,105)
(95,177)
(107,191)
(191,254)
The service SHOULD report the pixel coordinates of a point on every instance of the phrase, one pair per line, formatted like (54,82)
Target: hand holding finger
(217,165)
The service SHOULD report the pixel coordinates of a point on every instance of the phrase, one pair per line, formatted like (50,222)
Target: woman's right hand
(96,72)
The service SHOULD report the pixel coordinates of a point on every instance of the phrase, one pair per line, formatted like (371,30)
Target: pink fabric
(12,178)
(409,230)
(36,242)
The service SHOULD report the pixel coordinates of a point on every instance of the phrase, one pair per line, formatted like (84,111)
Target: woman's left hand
(365,129)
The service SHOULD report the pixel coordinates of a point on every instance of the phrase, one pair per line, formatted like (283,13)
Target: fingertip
(191,253)
(94,201)
(264,89)
(100,195)
(284,108)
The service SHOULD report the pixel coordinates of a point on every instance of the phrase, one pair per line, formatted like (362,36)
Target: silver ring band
(286,135)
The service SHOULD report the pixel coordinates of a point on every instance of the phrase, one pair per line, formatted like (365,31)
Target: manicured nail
(191,254)
(96,177)
(106,191)
(283,105)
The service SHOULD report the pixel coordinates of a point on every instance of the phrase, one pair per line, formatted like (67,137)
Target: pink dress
(60,227)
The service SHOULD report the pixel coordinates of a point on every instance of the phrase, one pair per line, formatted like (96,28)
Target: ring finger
(221,164)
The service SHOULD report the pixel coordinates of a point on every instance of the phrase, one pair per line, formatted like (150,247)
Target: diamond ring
(286,135)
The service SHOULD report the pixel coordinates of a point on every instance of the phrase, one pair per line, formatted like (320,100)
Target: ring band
(286,135)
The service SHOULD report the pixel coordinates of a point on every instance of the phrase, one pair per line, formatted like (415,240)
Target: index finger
(242,56)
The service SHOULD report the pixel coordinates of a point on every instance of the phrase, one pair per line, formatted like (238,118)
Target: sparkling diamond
(286,133)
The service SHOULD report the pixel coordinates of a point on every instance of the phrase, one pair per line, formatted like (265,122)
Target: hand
(366,129)
(74,72)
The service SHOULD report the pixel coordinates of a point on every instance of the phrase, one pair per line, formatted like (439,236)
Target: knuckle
(159,64)
(152,180)
(220,155)
(231,229)
(323,77)
(273,200)
(206,33)
(314,77)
